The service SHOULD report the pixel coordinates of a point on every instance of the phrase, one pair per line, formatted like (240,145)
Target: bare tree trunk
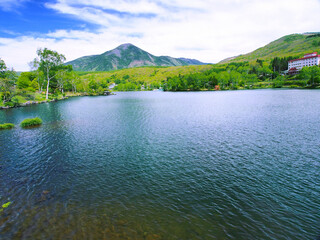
(47,94)
(39,87)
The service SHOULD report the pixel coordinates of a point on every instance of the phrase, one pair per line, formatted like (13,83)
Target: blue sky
(207,30)
(35,18)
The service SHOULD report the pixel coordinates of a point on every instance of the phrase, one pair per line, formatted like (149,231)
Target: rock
(44,196)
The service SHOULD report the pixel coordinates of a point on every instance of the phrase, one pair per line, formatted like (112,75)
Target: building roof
(309,55)
(293,71)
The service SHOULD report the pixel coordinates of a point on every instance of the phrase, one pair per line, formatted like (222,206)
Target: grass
(6,126)
(295,45)
(31,122)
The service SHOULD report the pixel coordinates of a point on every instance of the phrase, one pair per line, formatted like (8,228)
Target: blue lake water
(161,165)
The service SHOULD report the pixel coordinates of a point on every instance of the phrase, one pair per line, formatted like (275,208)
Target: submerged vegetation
(6,126)
(31,122)
(4,206)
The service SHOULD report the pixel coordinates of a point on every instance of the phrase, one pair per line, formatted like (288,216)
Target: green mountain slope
(126,56)
(145,74)
(290,45)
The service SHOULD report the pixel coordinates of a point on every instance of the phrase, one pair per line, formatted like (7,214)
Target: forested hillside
(293,45)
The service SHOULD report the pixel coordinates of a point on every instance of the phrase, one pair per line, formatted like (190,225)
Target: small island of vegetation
(31,122)
(6,126)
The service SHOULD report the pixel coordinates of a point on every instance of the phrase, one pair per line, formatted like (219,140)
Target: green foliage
(281,64)
(25,79)
(30,122)
(93,86)
(3,69)
(236,75)
(141,76)
(278,82)
(49,63)
(7,80)
(17,100)
(9,104)
(311,75)
(128,86)
(6,126)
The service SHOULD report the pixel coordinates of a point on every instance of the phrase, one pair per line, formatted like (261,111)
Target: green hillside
(295,45)
(126,56)
(145,74)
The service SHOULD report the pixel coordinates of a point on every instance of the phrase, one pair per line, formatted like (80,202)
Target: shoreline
(30,103)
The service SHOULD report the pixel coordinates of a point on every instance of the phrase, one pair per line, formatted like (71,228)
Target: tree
(62,76)
(75,80)
(25,79)
(7,80)
(3,68)
(315,75)
(34,66)
(49,63)
(93,85)
(310,74)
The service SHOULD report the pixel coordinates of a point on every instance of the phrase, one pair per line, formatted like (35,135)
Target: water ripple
(216,165)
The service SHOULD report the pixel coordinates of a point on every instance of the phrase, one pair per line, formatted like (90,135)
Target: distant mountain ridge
(294,45)
(127,56)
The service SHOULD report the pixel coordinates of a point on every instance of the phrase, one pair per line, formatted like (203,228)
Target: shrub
(17,100)
(30,122)
(9,104)
(6,126)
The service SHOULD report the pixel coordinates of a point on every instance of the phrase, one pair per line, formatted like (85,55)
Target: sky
(206,30)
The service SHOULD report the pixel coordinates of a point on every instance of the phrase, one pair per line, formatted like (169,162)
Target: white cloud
(207,30)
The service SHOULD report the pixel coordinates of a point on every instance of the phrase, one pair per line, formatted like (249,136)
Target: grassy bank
(25,98)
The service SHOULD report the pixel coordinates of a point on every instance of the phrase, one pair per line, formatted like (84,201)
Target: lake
(163,165)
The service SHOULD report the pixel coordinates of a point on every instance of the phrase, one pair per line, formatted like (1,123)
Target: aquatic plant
(30,122)
(6,126)
(6,205)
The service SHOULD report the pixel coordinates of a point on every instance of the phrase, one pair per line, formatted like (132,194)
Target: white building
(308,60)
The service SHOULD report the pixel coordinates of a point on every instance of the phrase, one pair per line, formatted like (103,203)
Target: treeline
(51,79)
(281,64)
(241,75)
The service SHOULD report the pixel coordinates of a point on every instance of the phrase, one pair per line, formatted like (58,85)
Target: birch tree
(49,62)
(62,76)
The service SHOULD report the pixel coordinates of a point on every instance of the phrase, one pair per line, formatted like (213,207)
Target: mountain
(295,45)
(192,61)
(126,56)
